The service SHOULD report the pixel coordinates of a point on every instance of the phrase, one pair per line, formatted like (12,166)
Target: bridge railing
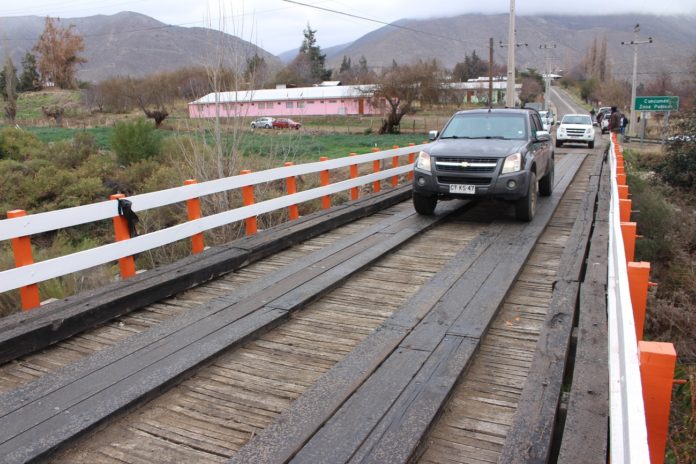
(640,373)
(20,228)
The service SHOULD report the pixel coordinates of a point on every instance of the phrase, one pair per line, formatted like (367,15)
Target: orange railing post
(127,263)
(395,164)
(628,232)
(21,247)
(657,361)
(376,167)
(354,191)
(623,191)
(625,210)
(193,208)
(411,160)
(291,187)
(620,179)
(324,181)
(638,283)
(248,199)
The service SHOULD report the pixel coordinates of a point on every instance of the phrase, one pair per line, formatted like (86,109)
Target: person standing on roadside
(614,121)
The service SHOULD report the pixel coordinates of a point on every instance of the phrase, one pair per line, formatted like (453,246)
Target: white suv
(264,123)
(575,128)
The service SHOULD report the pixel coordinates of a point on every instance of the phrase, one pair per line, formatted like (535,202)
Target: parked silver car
(263,123)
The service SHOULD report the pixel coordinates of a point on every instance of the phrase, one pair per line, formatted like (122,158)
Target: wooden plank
(83,401)
(585,433)
(529,437)
(26,332)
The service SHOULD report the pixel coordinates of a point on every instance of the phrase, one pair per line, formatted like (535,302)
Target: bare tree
(400,88)
(58,49)
(9,91)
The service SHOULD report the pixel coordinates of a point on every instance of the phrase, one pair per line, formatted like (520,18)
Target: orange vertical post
(411,160)
(395,164)
(291,187)
(625,210)
(354,192)
(376,185)
(628,232)
(248,199)
(623,192)
(621,179)
(21,247)
(324,181)
(657,361)
(193,208)
(638,282)
(127,263)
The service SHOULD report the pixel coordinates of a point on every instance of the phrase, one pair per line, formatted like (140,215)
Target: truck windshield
(486,126)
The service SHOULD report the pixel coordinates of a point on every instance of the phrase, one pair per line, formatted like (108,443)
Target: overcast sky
(277,25)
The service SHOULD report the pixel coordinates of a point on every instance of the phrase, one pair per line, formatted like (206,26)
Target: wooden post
(621,179)
(395,164)
(628,232)
(248,199)
(21,247)
(324,181)
(411,160)
(657,361)
(291,187)
(127,263)
(355,191)
(623,192)
(193,208)
(376,185)
(638,283)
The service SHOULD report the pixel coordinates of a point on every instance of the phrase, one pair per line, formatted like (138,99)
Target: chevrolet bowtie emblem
(464,164)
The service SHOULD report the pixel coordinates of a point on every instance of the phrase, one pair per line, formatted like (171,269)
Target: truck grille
(575,132)
(466,164)
(464,180)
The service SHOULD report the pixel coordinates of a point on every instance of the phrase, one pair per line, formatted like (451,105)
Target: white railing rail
(628,432)
(69,217)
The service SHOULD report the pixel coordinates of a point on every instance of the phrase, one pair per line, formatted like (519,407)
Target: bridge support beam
(126,264)
(290,188)
(395,164)
(324,180)
(411,160)
(355,191)
(248,200)
(376,167)
(628,232)
(193,208)
(638,283)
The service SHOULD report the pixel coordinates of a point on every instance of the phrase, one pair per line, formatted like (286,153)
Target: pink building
(301,101)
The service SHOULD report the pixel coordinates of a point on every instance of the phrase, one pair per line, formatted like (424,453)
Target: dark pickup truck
(498,153)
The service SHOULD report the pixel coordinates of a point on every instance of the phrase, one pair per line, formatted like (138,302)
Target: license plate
(462,188)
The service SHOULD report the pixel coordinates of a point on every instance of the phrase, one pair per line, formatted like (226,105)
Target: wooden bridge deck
(345,347)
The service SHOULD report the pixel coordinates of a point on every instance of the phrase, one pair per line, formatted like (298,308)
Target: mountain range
(134,44)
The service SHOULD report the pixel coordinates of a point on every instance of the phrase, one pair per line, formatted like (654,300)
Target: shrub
(18,144)
(679,169)
(135,141)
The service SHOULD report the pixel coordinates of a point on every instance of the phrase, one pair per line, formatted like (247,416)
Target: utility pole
(547,78)
(510,93)
(490,72)
(635,42)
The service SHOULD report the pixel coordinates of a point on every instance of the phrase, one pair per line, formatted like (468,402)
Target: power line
(397,26)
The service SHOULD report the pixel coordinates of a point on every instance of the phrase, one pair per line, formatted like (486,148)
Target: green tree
(345,65)
(256,72)
(135,141)
(9,89)
(29,79)
(317,59)
(58,49)
(471,68)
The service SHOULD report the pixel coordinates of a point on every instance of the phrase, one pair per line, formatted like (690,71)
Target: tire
(525,208)
(559,144)
(590,144)
(423,204)
(546,183)
(253,126)
(268,126)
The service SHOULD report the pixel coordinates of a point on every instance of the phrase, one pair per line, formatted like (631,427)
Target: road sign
(664,103)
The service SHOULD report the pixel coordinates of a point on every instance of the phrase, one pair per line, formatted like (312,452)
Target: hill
(450,39)
(132,44)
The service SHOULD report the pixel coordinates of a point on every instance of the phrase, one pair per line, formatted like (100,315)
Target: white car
(263,123)
(575,128)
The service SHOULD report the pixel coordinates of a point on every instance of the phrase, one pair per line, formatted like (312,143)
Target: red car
(285,123)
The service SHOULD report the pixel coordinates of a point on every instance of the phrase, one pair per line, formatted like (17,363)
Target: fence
(19,227)
(640,373)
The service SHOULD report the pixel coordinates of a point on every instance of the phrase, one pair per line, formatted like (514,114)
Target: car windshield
(577,119)
(485,126)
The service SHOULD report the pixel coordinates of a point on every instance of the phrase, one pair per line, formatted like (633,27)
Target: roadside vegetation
(663,186)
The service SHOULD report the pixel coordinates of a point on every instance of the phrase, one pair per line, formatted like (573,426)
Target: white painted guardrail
(628,432)
(69,217)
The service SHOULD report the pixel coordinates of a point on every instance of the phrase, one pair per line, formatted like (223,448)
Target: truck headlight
(513,163)
(423,161)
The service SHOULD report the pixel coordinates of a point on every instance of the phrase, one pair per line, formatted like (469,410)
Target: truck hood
(489,148)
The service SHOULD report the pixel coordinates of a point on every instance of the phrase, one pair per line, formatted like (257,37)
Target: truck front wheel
(423,204)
